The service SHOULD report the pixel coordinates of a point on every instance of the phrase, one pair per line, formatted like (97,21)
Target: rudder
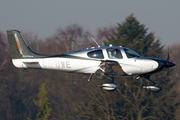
(18,47)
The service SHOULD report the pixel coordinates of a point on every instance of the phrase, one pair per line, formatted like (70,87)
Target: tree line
(42,94)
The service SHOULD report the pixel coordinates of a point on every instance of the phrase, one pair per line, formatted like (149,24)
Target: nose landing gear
(155,87)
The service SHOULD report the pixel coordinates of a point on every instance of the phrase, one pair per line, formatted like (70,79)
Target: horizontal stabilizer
(31,62)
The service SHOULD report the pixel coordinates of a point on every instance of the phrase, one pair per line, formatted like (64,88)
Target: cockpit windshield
(130,53)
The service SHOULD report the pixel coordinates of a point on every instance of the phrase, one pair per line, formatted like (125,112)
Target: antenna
(95,41)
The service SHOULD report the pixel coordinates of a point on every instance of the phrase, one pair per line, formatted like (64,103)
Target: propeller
(168,55)
(167,60)
(168,64)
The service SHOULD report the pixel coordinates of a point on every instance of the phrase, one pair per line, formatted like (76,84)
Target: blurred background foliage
(70,97)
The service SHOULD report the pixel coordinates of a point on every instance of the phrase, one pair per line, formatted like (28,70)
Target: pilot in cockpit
(114,54)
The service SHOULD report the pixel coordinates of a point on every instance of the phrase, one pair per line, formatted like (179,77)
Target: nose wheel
(155,87)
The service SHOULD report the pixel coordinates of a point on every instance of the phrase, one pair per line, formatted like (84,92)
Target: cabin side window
(114,53)
(96,54)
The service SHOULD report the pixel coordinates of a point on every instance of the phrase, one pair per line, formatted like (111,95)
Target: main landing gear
(110,85)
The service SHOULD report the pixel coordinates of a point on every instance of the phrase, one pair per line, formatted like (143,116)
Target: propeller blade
(168,64)
(167,60)
(167,71)
(167,55)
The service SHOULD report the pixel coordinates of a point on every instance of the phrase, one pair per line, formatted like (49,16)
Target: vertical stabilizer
(18,47)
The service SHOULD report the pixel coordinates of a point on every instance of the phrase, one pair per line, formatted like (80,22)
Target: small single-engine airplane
(96,60)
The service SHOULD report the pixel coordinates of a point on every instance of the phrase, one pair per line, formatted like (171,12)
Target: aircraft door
(114,53)
(133,64)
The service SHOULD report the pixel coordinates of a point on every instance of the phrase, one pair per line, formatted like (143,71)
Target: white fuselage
(80,62)
(61,64)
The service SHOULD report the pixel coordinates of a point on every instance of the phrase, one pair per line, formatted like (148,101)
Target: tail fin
(18,47)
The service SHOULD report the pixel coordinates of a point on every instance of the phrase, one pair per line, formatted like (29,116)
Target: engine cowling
(109,86)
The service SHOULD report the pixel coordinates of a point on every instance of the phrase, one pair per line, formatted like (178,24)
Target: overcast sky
(44,16)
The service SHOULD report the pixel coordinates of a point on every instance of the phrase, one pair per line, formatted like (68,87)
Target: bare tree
(69,39)
(103,33)
(174,55)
